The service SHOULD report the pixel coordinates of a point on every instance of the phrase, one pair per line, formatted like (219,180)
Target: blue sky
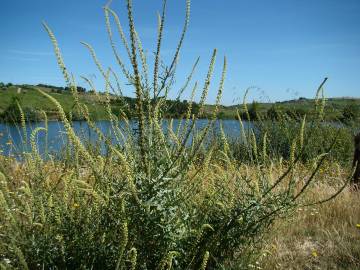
(281,48)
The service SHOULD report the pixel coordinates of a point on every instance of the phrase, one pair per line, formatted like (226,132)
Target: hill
(32,103)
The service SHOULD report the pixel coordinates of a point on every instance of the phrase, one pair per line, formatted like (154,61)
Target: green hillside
(32,103)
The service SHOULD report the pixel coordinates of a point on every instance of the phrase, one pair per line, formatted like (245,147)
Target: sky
(280,49)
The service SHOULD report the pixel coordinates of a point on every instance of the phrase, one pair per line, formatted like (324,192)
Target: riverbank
(33,104)
(173,196)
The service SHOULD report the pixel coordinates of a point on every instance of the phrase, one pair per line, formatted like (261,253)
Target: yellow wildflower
(358,225)
(314,253)
(76,205)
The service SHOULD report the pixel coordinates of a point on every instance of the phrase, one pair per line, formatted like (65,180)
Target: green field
(31,99)
(32,102)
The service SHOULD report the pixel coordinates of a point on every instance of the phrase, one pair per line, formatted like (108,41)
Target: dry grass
(323,236)
(320,237)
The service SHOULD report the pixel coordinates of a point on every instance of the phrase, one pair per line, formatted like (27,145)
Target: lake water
(12,141)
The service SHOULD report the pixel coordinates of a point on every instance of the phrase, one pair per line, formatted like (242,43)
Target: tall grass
(318,237)
(158,199)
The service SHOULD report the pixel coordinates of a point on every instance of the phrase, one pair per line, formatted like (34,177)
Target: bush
(350,112)
(321,136)
(14,113)
(157,199)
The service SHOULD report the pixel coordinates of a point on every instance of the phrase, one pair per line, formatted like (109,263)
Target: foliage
(14,113)
(31,98)
(295,109)
(320,136)
(318,237)
(156,199)
(350,112)
(282,133)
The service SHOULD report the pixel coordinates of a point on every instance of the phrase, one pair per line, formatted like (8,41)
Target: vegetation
(33,103)
(345,110)
(317,237)
(159,199)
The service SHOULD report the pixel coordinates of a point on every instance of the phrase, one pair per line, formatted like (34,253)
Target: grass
(31,98)
(319,237)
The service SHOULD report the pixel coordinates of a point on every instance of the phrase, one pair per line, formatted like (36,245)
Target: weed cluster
(157,199)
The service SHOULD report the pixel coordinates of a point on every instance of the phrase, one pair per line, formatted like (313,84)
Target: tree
(254,111)
(81,89)
(12,112)
(350,112)
(273,113)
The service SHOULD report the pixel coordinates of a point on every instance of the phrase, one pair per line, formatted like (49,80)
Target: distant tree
(195,108)
(12,112)
(27,87)
(9,85)
(221,115)
(58,88)
(254,111)
(295,113)
(81,89)
(273,112)
(78,88)
(350,112)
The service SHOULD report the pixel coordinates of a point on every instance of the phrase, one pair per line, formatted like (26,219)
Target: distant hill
(32,103)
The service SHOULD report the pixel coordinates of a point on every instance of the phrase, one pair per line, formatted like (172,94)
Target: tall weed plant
(156,199)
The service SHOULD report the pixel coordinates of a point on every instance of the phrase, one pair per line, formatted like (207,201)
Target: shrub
(157,199)
(350,112)
(320,137)
(14,113)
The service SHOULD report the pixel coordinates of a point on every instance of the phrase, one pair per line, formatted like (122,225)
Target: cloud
(31,59)
(30,53)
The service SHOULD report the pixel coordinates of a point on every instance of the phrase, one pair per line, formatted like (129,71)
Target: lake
(12,143)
